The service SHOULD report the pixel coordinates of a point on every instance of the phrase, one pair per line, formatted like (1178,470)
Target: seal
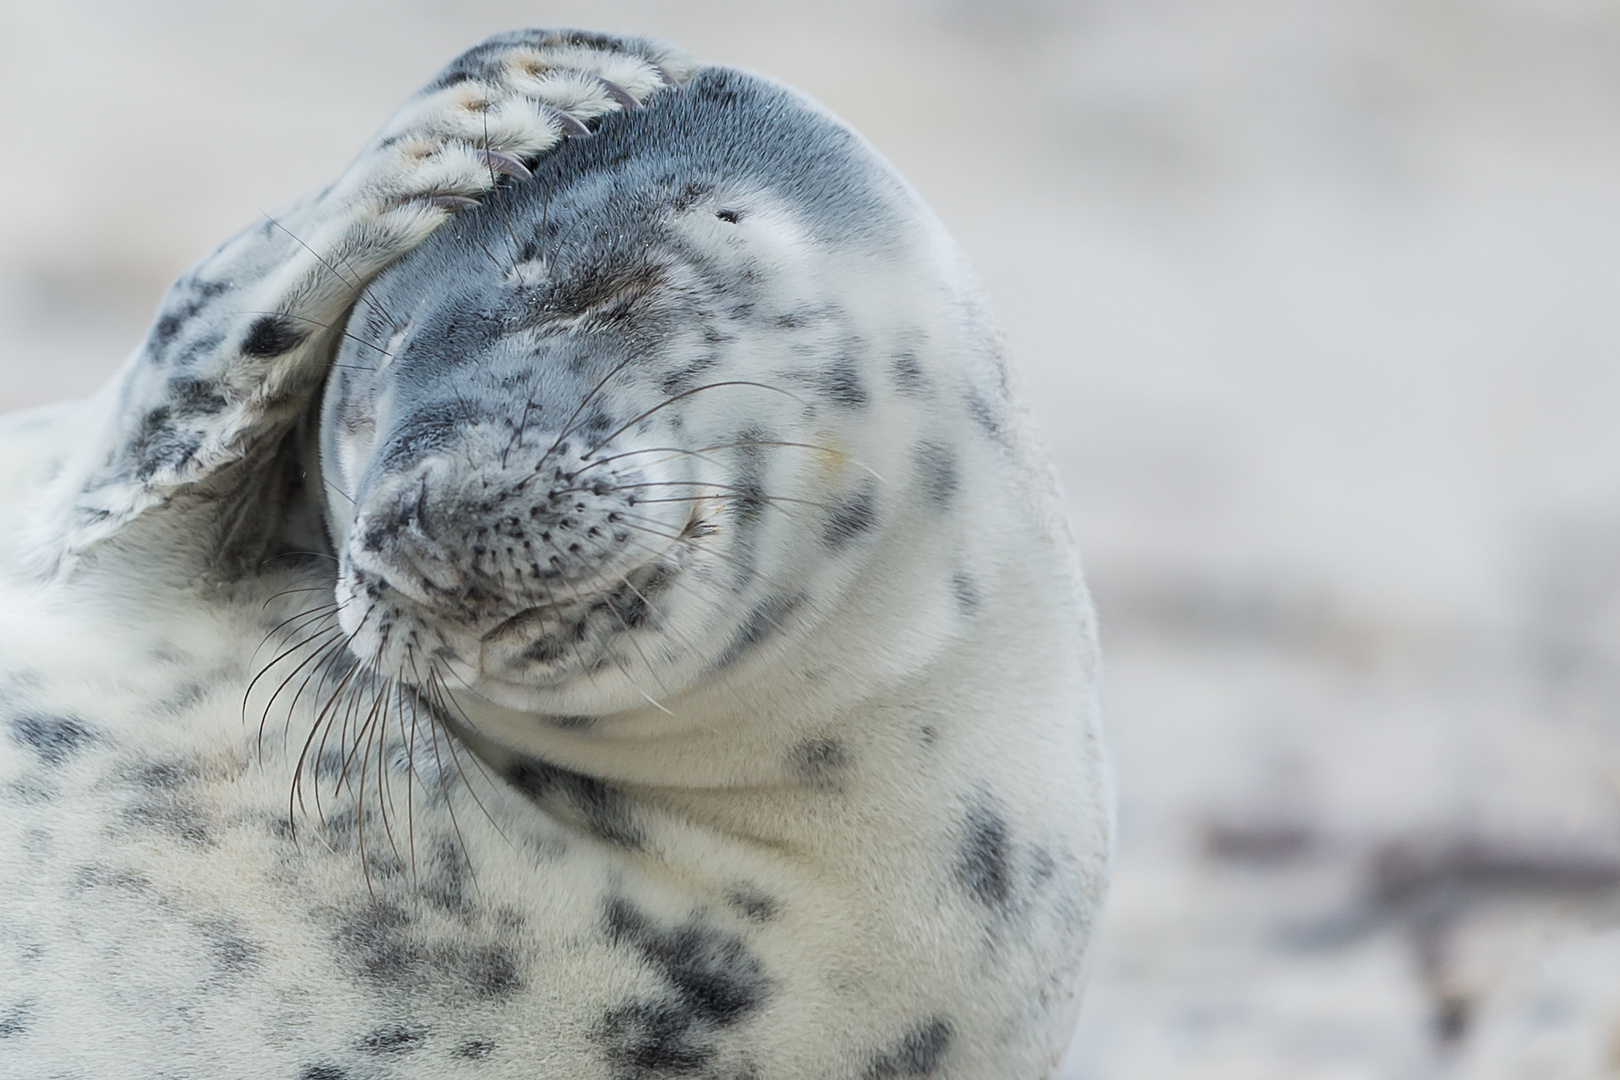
(578,597)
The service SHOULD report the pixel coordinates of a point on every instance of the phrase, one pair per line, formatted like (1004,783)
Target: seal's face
(599,440)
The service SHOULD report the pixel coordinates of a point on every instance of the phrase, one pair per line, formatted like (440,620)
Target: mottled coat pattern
(575,598)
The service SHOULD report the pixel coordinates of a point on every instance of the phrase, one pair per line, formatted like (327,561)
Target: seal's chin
(581,646)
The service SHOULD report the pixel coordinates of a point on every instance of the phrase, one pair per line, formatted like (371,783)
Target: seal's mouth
(514,624)
(519,624)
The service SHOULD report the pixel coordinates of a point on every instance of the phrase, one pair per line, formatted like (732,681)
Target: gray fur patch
(966,592)
(54,738)
(840,384)
(909,379)
(714,982)
(986,417)
(856,515)
(16,1021)
(230,950)
(766,619)
(918,1054)
(984,856)
(272,335)
(323,1072)
(394,1039)
(820,763)
(937,474)
(377,941)
(754,905)
(604,809)
(474,1049)
(161,803)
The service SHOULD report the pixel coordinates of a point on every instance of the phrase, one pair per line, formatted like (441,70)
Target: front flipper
(243,340)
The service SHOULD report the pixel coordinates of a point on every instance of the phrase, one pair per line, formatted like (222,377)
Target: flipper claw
(619,94)
(569,124)
(505,164)
(452,203)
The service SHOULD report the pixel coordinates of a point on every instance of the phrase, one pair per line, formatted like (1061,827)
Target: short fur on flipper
(662,652)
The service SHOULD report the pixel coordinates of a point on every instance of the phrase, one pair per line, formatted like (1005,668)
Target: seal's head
(645,412)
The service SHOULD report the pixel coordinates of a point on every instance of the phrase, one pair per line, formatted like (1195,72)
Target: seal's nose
(396,538)
(476,541)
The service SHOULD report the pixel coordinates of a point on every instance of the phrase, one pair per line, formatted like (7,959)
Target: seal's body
(625,632)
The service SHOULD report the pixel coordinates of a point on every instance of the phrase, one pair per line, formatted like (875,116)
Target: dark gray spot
(474,1049)
(16,1021)
(229,948)
(798,320)
(984,856)
(376,939)
(920,1052)
(30,791)
(102,877)
(819,763)
(546,650)
(489,970)
(323,1072)
(644,1040)
(447,888)
(177,314)
(1042,867)
(966,592)
(755,905)
(394,1039)
(766,619)
(985,416)
(1263,843)
(271,335)
(841,384)
(715,982)
(685,378)
(163,776)
(937,475)
(850,518)
(158,443)
(571,723)
(196,397)
(161,807)
(53,738)
(908,373)
(603,809)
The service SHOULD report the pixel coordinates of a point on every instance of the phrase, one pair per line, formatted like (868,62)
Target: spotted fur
(574,598)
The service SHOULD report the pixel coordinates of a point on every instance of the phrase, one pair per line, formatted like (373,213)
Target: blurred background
(1317,303)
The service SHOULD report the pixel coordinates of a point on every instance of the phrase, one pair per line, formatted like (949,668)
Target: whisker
(739,491)
(314,613)
(298,769)
(632,637)
(569,424)
(288,592)
(357,289)
(666,403)
(450,803)
(734,445)
(246,694)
